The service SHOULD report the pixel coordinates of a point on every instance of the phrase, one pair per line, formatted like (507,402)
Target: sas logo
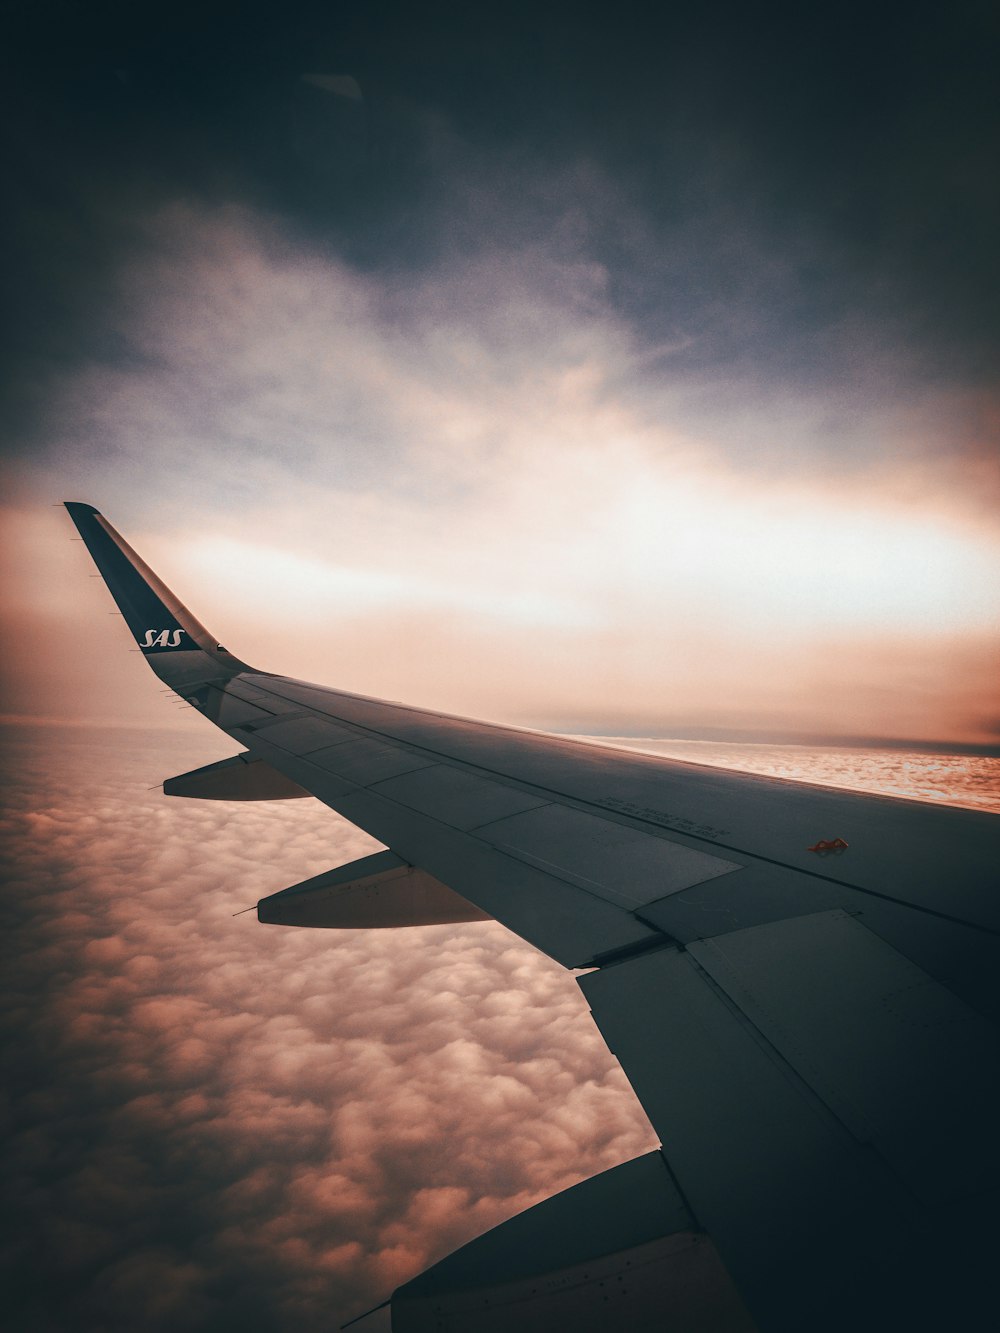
(162,638)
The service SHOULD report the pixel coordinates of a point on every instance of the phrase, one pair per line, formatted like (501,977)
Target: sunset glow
(543,546)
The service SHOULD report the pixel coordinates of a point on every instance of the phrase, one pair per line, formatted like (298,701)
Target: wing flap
(302,733)
(628,865)
(366,761)
(462,799)
(768,1173)
(902,1062)
(823,1135)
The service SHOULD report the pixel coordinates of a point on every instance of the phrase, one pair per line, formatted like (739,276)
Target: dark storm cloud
(214,1125)
(777,193)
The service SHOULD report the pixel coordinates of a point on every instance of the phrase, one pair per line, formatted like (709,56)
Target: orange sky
(519,515)
(590,633)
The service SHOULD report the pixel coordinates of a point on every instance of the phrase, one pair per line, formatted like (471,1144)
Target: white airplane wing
(801,985)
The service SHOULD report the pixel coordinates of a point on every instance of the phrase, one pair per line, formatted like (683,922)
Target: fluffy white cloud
(229,1124)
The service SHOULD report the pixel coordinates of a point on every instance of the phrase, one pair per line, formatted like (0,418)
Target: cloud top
(220,1123)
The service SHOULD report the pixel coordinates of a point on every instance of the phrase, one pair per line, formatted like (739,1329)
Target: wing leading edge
(814,1038)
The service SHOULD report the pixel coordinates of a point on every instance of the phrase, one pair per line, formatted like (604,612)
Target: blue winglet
(161,625)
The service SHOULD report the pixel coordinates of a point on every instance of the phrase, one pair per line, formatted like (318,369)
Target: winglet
(176,645)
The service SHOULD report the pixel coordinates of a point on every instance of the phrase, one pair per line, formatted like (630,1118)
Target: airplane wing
(800,983)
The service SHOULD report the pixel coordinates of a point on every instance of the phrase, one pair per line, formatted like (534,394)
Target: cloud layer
(221,1124)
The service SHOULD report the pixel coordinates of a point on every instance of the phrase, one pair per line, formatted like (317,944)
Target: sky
(579,368)
(565,365)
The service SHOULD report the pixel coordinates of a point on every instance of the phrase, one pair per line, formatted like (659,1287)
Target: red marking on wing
(836,845)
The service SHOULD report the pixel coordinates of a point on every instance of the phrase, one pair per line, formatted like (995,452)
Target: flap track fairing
(238,778)
(379,890)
